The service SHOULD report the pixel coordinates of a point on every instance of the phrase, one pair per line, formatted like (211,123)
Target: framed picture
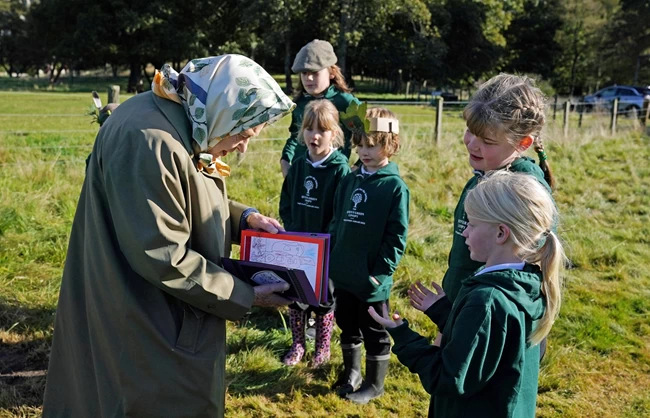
(259,273)
(308,252)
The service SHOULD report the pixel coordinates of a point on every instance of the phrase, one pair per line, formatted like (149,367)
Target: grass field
(598,363)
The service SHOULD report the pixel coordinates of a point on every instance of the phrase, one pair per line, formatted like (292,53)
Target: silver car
(629,98)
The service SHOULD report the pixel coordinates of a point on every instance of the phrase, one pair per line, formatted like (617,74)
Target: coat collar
(177,117)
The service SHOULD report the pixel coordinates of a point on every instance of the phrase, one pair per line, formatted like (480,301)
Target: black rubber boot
(373,385)
(350,379)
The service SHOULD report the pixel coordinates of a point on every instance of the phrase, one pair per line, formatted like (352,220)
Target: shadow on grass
(262,328)
(24,354)
(280,381)
(21,320)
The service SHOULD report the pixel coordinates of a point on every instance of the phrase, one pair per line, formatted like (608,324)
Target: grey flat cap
(314,56)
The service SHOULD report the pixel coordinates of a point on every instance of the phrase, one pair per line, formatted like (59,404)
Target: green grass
(598,362)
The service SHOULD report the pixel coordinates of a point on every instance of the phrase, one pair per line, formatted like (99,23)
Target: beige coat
(140,326)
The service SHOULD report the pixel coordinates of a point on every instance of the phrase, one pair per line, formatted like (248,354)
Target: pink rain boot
(324,324)
(297,321)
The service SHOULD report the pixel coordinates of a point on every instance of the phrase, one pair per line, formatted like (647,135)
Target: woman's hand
(265,295)
(264,223)
(385,320)
(422,298)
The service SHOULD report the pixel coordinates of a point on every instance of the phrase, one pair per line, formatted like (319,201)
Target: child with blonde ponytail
(504,118)
(486,360)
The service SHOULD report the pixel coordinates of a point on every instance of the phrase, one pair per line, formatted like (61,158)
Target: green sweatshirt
(307,198)
(484,366)
(371,215)
(293,148)
(460,265)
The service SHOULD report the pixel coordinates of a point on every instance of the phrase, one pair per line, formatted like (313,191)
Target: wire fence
(570,116)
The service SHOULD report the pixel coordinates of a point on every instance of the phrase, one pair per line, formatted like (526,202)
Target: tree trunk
(55,79)
(397,81)
(343,42)
(135,74)
(287,63)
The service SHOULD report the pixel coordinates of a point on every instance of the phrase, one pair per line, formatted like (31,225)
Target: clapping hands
(422,298)
(387,321)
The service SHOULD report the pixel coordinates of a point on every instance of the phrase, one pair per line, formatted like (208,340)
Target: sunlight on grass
(598,362)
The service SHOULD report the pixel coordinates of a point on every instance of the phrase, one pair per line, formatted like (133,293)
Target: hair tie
(542,155)
(542,240)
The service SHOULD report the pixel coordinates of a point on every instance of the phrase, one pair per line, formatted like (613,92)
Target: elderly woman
(140,326)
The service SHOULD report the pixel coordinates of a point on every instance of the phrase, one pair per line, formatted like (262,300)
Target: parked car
(448,97)
(629,98)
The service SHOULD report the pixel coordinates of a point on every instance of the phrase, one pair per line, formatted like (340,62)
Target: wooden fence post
(113,94)
(646,113)
(554,107)
(438,128)
(612,123)
(408,89)
(565,123)
(582,112)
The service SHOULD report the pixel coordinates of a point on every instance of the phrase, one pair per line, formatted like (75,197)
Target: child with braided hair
(504,118)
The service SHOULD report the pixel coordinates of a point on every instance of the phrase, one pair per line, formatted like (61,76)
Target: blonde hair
(338,81)
(389,141)
(510,106)
(324,113)
(519,201)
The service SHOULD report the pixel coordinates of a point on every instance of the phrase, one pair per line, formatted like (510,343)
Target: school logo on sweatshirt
(461,225)
(310,183)
(358,197)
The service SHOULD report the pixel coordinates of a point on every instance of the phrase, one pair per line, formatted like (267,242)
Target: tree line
(575,46)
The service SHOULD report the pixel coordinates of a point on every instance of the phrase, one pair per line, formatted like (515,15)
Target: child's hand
(385,320)
(422,298)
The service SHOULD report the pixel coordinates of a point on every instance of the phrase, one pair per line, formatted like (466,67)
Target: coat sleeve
(439,312)
(289,150)
(236,210)
(467,359)
(394,239)
(286,199)
(147,187)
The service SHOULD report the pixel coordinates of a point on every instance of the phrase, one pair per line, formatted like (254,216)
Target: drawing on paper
(266,277)
(290,254)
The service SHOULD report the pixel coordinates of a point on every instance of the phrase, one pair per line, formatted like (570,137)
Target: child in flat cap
(320,78)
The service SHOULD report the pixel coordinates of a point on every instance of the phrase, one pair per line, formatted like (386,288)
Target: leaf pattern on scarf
(250,112)
(199,133)
(228,94)
(263,117)
(243,97)
(242,81)
(239,113)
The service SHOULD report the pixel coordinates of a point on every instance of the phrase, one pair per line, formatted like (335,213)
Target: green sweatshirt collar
(391,169)
(524,287)
(329,93)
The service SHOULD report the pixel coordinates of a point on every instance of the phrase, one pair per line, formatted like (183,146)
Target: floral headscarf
(222,96)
